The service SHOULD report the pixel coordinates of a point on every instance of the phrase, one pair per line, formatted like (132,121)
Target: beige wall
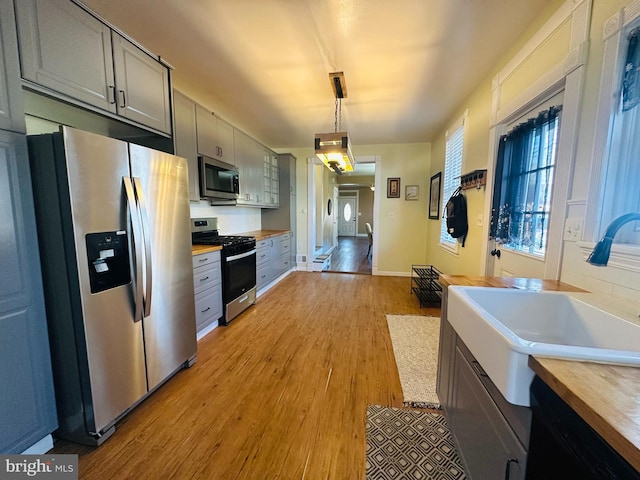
(401,227)
(618,284)
(476,148)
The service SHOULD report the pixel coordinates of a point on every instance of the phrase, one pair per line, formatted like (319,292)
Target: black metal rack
(425,284)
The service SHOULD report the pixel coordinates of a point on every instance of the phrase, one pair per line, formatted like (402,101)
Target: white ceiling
(263,64)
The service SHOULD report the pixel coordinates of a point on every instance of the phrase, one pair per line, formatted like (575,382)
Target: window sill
(626,257)
(449,248)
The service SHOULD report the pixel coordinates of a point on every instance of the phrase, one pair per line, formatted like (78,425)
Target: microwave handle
(236,184)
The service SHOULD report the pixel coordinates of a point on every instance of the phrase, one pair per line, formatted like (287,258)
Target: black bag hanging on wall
(456,214)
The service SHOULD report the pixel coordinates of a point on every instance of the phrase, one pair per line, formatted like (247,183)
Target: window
(620,193)
(524,179)
(452,174)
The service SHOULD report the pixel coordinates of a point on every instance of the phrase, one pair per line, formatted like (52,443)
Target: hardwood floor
(351,256)
(279,394)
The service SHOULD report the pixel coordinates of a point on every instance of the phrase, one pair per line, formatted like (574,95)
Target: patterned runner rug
(415,342)
(407,444)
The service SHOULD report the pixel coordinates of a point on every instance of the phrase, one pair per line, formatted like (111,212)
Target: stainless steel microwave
(218,180)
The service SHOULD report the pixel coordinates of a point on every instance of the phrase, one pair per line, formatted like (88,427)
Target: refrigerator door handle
(146,235)
(134,216)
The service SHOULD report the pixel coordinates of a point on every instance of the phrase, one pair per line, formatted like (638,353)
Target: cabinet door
(66,49)
(487,444)
(186,142)
(224,140)
(206,132)
(142,86)
(11,110)
(242,148)
(275,181)
(446,356)
(27,403)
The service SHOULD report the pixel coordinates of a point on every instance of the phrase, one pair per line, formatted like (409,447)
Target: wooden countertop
(533,284)
(606,396)
(198,249)
(262,234)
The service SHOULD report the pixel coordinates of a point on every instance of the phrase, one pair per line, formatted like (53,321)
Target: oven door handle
(241,255)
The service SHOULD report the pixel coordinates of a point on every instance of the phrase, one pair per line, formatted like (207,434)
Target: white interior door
(347,217)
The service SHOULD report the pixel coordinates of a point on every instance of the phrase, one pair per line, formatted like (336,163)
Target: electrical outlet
(573,229)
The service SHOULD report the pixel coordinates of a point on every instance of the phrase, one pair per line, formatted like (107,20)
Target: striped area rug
(415,341)
(408,444)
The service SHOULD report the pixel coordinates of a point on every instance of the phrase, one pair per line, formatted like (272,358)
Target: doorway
(350,252)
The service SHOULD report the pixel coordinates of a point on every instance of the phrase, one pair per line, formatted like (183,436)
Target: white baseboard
(392,274)
(206,330)
(268,286)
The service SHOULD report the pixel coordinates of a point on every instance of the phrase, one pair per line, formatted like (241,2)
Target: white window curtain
(452,174)
(621,193)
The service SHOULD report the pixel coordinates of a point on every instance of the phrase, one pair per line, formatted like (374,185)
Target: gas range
(238,265)
(204,231)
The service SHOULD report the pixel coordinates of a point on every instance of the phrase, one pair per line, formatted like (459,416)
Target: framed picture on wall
(411,192)
(393,187)
(434,196)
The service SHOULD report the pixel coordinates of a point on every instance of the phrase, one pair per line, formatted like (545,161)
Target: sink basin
(502,327)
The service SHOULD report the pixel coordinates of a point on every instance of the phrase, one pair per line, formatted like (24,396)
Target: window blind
(452,174)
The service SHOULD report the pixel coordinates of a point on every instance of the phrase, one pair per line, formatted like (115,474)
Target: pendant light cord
(338,115)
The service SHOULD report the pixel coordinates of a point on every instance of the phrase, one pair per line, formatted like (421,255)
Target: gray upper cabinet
(11,110)
(142,85)
(197,131)
(185,138)
(69,51)
(215,136)
(27,403)
(246,152)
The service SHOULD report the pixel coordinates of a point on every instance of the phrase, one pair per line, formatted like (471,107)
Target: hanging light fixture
(334,149)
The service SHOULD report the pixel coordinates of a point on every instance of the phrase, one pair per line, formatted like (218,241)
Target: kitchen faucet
(600,254)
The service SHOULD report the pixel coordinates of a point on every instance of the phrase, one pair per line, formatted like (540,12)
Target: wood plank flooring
(279,394)
(351,256)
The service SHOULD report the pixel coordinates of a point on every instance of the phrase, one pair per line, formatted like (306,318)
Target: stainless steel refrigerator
(115,244)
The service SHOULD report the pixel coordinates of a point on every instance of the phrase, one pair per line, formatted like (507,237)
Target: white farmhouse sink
(503,326)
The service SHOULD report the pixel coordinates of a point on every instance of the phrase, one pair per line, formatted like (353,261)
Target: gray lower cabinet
(486,441)
(273,258)
(282,254)
(264,274)
(492,435)
(69,51)
(446,357)
(207,281)
(27,402)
